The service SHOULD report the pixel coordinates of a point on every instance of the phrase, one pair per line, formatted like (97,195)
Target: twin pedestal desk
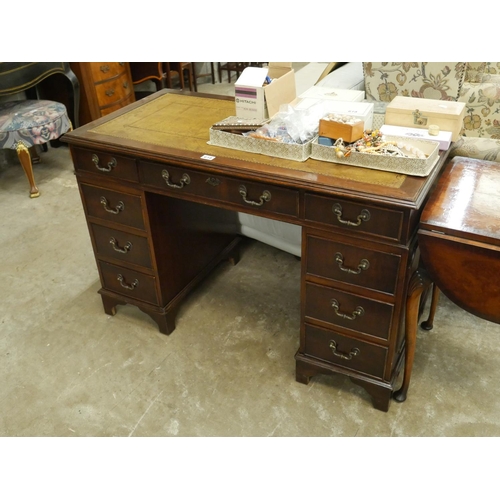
(140,170)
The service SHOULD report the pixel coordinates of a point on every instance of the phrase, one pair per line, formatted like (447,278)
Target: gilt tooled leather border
(183,122)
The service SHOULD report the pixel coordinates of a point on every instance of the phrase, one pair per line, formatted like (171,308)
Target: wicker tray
(410,166)
(296,152)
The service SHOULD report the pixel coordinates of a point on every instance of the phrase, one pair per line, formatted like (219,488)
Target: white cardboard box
(444,137)
(254,99)
(318,94)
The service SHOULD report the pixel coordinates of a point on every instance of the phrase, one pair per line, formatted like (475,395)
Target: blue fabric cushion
(32,122)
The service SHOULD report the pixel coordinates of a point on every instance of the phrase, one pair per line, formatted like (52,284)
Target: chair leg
(192,76)
(24,157)
(168,75)
(181,76)
(35,157)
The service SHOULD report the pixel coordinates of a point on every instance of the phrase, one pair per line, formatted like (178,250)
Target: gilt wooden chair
(29,123)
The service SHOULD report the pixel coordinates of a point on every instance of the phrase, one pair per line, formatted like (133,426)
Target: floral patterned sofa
(475,83)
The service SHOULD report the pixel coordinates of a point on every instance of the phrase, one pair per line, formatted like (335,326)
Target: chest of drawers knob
(354,351)
(265,196)
(185,180)
(364,216)
(126,248)
(359,311)
(363,265)
(110,166)
(120,206)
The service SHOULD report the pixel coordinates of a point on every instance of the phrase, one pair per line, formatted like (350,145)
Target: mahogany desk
(141,169)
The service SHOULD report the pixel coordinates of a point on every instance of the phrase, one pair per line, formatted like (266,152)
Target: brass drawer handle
(125,85)
(359,311)
(362,266)
(354,351)
(110,92)
(364,216)
(266,196)
(117,248)
(185,180)
(104,68)
(119,207)
(110,166)
(121,279)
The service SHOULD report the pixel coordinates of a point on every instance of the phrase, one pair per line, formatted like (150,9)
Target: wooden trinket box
(421,113)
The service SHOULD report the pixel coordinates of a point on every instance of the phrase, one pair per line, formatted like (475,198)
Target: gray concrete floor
(68,369)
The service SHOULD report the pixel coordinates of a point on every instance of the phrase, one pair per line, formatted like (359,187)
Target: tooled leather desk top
(183,121)
(174,126)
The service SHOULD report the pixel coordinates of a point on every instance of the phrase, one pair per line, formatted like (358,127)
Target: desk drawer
(350,311)
(113,206)
(344,351)
(355,217)
(126,247)
(258,196)
(352,264)
(110,165)
(130,283)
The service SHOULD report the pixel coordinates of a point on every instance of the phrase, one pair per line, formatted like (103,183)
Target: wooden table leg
(418,282)
(429,323)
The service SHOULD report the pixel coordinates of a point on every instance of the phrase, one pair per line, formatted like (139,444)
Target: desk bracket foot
(380,392)
(110,303)
(380,395)
(164,320)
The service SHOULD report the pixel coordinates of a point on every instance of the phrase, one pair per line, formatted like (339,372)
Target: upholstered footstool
(28,123)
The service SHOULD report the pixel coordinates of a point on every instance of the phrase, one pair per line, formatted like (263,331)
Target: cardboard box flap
(287,65)
(254,77)
(284,93)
